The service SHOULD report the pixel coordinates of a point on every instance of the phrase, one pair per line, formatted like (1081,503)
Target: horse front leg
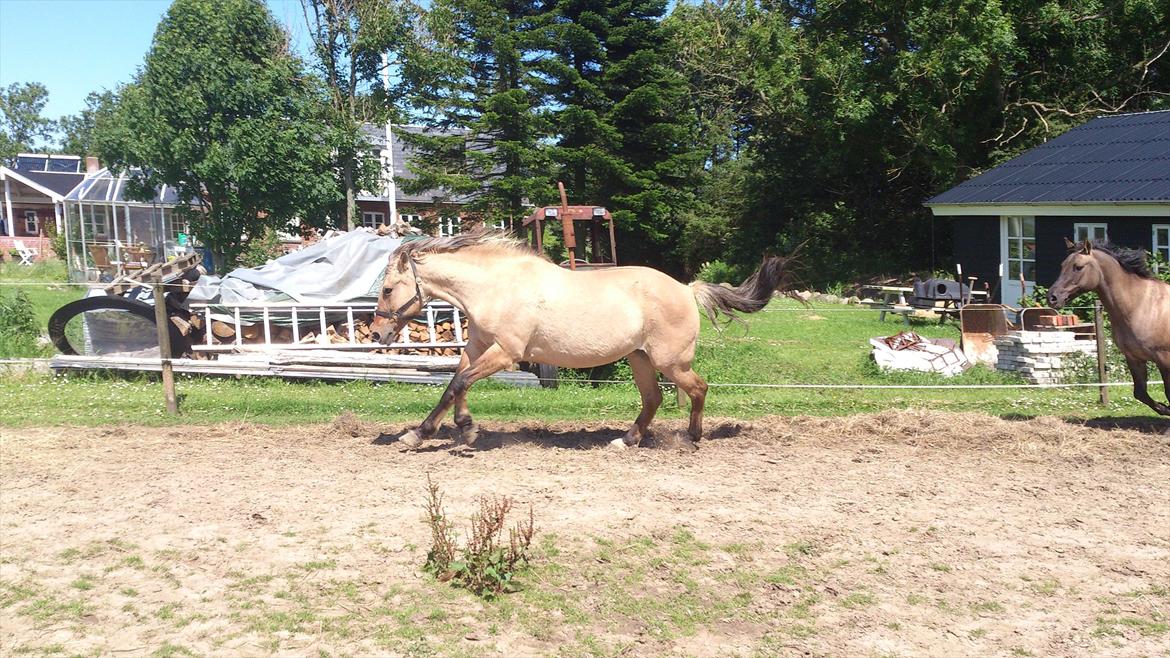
(493,360)
(468,430)
(1137,370)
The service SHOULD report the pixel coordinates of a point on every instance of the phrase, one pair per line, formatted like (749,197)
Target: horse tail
(748,297)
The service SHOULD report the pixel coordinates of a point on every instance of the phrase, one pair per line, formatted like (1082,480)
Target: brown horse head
(400,299)
(1079,273)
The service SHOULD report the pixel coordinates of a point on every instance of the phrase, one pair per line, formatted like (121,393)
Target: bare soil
(896,534)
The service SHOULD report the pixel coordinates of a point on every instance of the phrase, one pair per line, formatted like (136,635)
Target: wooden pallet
(169,270)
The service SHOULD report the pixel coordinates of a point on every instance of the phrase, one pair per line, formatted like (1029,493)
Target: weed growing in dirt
(486,565)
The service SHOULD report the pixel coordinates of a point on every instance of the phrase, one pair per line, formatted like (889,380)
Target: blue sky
(74,47)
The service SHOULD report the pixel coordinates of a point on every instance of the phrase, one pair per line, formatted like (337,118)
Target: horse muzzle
(389,330)
(1056,301)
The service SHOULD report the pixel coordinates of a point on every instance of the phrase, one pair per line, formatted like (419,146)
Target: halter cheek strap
(397,314)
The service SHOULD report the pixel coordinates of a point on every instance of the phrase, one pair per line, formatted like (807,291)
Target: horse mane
(1133,261)
(482,239)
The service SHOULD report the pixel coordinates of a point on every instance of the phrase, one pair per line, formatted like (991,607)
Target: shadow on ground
(1143,424)
(666,436)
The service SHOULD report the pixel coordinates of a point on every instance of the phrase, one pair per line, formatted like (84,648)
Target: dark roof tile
(1109,159)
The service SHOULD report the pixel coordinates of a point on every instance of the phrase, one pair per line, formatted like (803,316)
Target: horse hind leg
(645,376)
(696,389)
(1137,369)
(1164,369)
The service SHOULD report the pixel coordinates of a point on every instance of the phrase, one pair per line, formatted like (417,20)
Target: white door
(1018,254)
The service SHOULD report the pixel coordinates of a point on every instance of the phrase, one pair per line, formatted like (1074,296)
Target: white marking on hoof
(620,444)
(411,439)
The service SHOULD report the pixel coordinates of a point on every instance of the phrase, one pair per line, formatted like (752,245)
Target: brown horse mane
(481,239)
(1133,261)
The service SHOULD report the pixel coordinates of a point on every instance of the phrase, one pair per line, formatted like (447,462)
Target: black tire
(547,375)
(180,344)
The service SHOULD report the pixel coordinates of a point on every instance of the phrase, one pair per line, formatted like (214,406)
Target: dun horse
(1138,306)
(522,307)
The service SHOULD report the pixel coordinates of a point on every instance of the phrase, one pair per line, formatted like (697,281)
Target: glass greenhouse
(108,234)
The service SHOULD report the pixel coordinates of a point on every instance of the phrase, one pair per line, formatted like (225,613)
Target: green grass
(44,283)
(785,345)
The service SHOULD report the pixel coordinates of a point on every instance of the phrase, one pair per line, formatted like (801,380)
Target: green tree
(849,115)
(349,39)
(224,113)
(21,123)
(614,101)
(470,77)
(77,131)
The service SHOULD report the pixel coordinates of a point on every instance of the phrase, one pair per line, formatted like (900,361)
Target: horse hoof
(411,439)
(619,444)
(469,435)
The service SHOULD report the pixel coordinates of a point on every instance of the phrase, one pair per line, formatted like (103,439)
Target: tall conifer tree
(623,139)
(470,78)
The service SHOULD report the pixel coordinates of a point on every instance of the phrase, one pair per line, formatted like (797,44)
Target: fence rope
(830,308)
(873,386)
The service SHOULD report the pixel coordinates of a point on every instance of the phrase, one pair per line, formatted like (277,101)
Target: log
(183,326)
(222,329)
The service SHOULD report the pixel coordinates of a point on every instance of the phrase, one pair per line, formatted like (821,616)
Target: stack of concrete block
(1040,356)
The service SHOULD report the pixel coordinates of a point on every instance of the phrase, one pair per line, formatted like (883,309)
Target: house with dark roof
(34,191)
(1108,178)
(34,188)
(434,211)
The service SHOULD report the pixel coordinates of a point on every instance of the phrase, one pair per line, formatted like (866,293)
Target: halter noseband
(397,314)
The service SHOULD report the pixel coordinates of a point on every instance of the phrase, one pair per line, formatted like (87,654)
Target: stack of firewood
(224,333)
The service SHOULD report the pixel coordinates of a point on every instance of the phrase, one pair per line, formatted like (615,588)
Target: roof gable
(1112,159)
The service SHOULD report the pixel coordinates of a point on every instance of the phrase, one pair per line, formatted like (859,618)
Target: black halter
(397,314)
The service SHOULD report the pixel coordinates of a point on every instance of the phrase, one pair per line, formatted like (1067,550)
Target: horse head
(400,299)
(1080,272)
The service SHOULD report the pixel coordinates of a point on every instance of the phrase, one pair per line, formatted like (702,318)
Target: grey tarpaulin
(345,268)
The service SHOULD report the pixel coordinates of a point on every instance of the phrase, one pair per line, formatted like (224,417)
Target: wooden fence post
(162,323)
(1099,329)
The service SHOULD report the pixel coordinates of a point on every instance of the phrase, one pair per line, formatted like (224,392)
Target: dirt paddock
(897,534)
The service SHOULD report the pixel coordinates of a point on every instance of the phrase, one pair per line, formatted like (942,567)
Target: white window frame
(31,222)
(1157,246)
(373,219)
(175,228)
(413,220)
(1083,230)
(1011,275)
(97,218)
(1020,260)
(449,226)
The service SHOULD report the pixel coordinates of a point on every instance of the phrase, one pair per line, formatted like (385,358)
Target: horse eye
(385,292)
(1078,268)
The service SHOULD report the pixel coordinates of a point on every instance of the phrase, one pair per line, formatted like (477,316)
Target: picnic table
(892,299)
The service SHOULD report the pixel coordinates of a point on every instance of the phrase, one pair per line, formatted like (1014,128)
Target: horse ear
(1086,248)
(1070,245)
